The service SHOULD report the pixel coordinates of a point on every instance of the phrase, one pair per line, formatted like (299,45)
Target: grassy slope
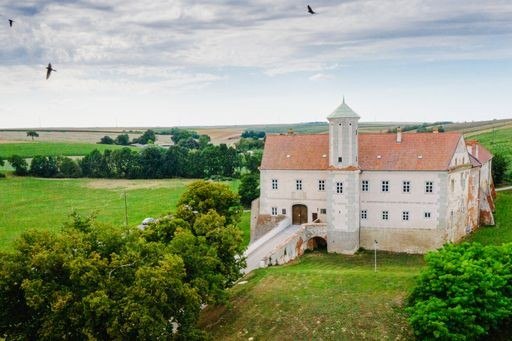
(500,142)
(31,149)
(46,203)
(332,297)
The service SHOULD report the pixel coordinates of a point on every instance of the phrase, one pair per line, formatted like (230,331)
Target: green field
(332,297)
(31,149)
(37,203)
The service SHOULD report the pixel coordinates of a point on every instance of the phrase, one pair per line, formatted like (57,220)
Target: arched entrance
(317,243)
(300,214)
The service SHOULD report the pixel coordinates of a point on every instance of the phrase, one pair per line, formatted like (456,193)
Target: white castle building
(409,192)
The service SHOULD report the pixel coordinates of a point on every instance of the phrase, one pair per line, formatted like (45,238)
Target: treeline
(182,137)
(421,128)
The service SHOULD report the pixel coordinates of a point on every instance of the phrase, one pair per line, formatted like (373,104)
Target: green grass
(31,149)
(27,203)
(320,296)
(498,142)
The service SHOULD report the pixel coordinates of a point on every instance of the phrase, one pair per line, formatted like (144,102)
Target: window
(298,185)
(321,185)
(364,186)
(340,159)
(385,186)
(274,210)
(405,215)
(453,184)
(274,183)
(429,186)
(323,211)
(339,187)
(284,210)
(364,214)
(406,186)
(427,215)
(385,215)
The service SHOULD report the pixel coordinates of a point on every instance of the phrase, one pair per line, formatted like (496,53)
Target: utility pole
(125,211)
(375,255)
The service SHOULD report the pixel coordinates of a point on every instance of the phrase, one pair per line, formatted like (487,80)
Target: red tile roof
(478,151)
(417,151)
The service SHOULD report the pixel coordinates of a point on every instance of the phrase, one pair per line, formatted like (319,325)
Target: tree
(122,140)
(499,168)
(202,196)
(20,165)
(68,168)
(2,175)
(464,292)
(107,140)
(147,138)
(44,166)
(32,134)
(249,189)
(95,282)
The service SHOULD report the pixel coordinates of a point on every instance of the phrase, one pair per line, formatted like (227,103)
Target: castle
(408,192)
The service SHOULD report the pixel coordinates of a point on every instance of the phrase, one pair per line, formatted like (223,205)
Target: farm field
(30,149)
(332,297)
(499,141)
(37,203)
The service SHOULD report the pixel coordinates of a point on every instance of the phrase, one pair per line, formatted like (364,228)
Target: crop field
(30,149)
(34,203)
(332,297)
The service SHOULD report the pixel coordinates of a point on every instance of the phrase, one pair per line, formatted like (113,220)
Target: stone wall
(403,240)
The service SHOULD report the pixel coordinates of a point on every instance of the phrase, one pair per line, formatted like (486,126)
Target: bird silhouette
(310,10)
(49,70)
(11,22)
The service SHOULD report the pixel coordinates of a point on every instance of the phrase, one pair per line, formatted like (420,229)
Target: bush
(107,140)
(499,168)
(464,293)
(20,165)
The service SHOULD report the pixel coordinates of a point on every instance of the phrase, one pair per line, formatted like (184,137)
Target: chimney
(398,135)
(435,130)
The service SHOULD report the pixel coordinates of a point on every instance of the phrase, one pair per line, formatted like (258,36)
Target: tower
(343,148)
(343,189)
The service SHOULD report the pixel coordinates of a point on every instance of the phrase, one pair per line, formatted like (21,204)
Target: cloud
(320,77)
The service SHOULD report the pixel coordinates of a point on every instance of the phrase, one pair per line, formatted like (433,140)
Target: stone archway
(317,243)
(299,214)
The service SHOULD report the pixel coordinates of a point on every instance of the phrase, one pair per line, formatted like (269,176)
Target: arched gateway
(300,214)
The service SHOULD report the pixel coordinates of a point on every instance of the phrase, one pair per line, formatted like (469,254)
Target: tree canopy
(32,134)
(94,281)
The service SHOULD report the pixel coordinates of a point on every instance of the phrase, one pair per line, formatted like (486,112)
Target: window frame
(382,186)
(385,215)
(273,211)
(321,185)
(364,214)
(427,215)
(408,182)
(365,185)
(429,186)
(339,187)
(405,216)
(275,184)
(298,185)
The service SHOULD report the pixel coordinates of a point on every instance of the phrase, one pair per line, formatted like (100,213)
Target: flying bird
(49,70)
(11,22)
(310,10)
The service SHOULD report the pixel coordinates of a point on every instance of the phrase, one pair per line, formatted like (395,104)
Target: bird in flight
(310,10)
(49,70)
(11,22)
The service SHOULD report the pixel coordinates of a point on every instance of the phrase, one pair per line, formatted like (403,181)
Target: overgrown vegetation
(499,142)
(101,282)
(31,149)
(464,293)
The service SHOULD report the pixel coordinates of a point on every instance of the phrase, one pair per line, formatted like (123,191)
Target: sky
(130,63)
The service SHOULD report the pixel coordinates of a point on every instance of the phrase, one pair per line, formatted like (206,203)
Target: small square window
(364,186)
(385,186)
(385,215)
(284,210)
(323,211)
(298,185)
(274,210)
(429,187)
(427,215)
(274,184)
(340,159)
(364,214)
(406,186)
(405,215)
(321,185)
(339,187)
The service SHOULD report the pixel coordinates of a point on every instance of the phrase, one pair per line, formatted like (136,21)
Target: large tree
(20,165)
(249,188)
(32,134)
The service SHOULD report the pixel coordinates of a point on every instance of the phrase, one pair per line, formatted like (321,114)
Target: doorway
(300,214)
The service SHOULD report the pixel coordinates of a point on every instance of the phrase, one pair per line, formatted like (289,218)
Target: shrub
(499,168)
(464,293)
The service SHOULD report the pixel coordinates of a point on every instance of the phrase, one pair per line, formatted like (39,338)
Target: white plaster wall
(417,201)
(457,215)
(286,195)
(461,156)
(343,141)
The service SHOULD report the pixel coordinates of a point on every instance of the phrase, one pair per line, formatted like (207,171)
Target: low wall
(403,240)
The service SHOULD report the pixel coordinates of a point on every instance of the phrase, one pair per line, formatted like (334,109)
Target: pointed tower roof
(343,111)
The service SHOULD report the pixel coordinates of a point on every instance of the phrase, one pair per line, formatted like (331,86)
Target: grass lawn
(320,296)
(31,149)
(27,202)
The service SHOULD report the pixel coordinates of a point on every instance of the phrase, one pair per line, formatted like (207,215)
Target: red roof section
(478,151)
(417,151)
